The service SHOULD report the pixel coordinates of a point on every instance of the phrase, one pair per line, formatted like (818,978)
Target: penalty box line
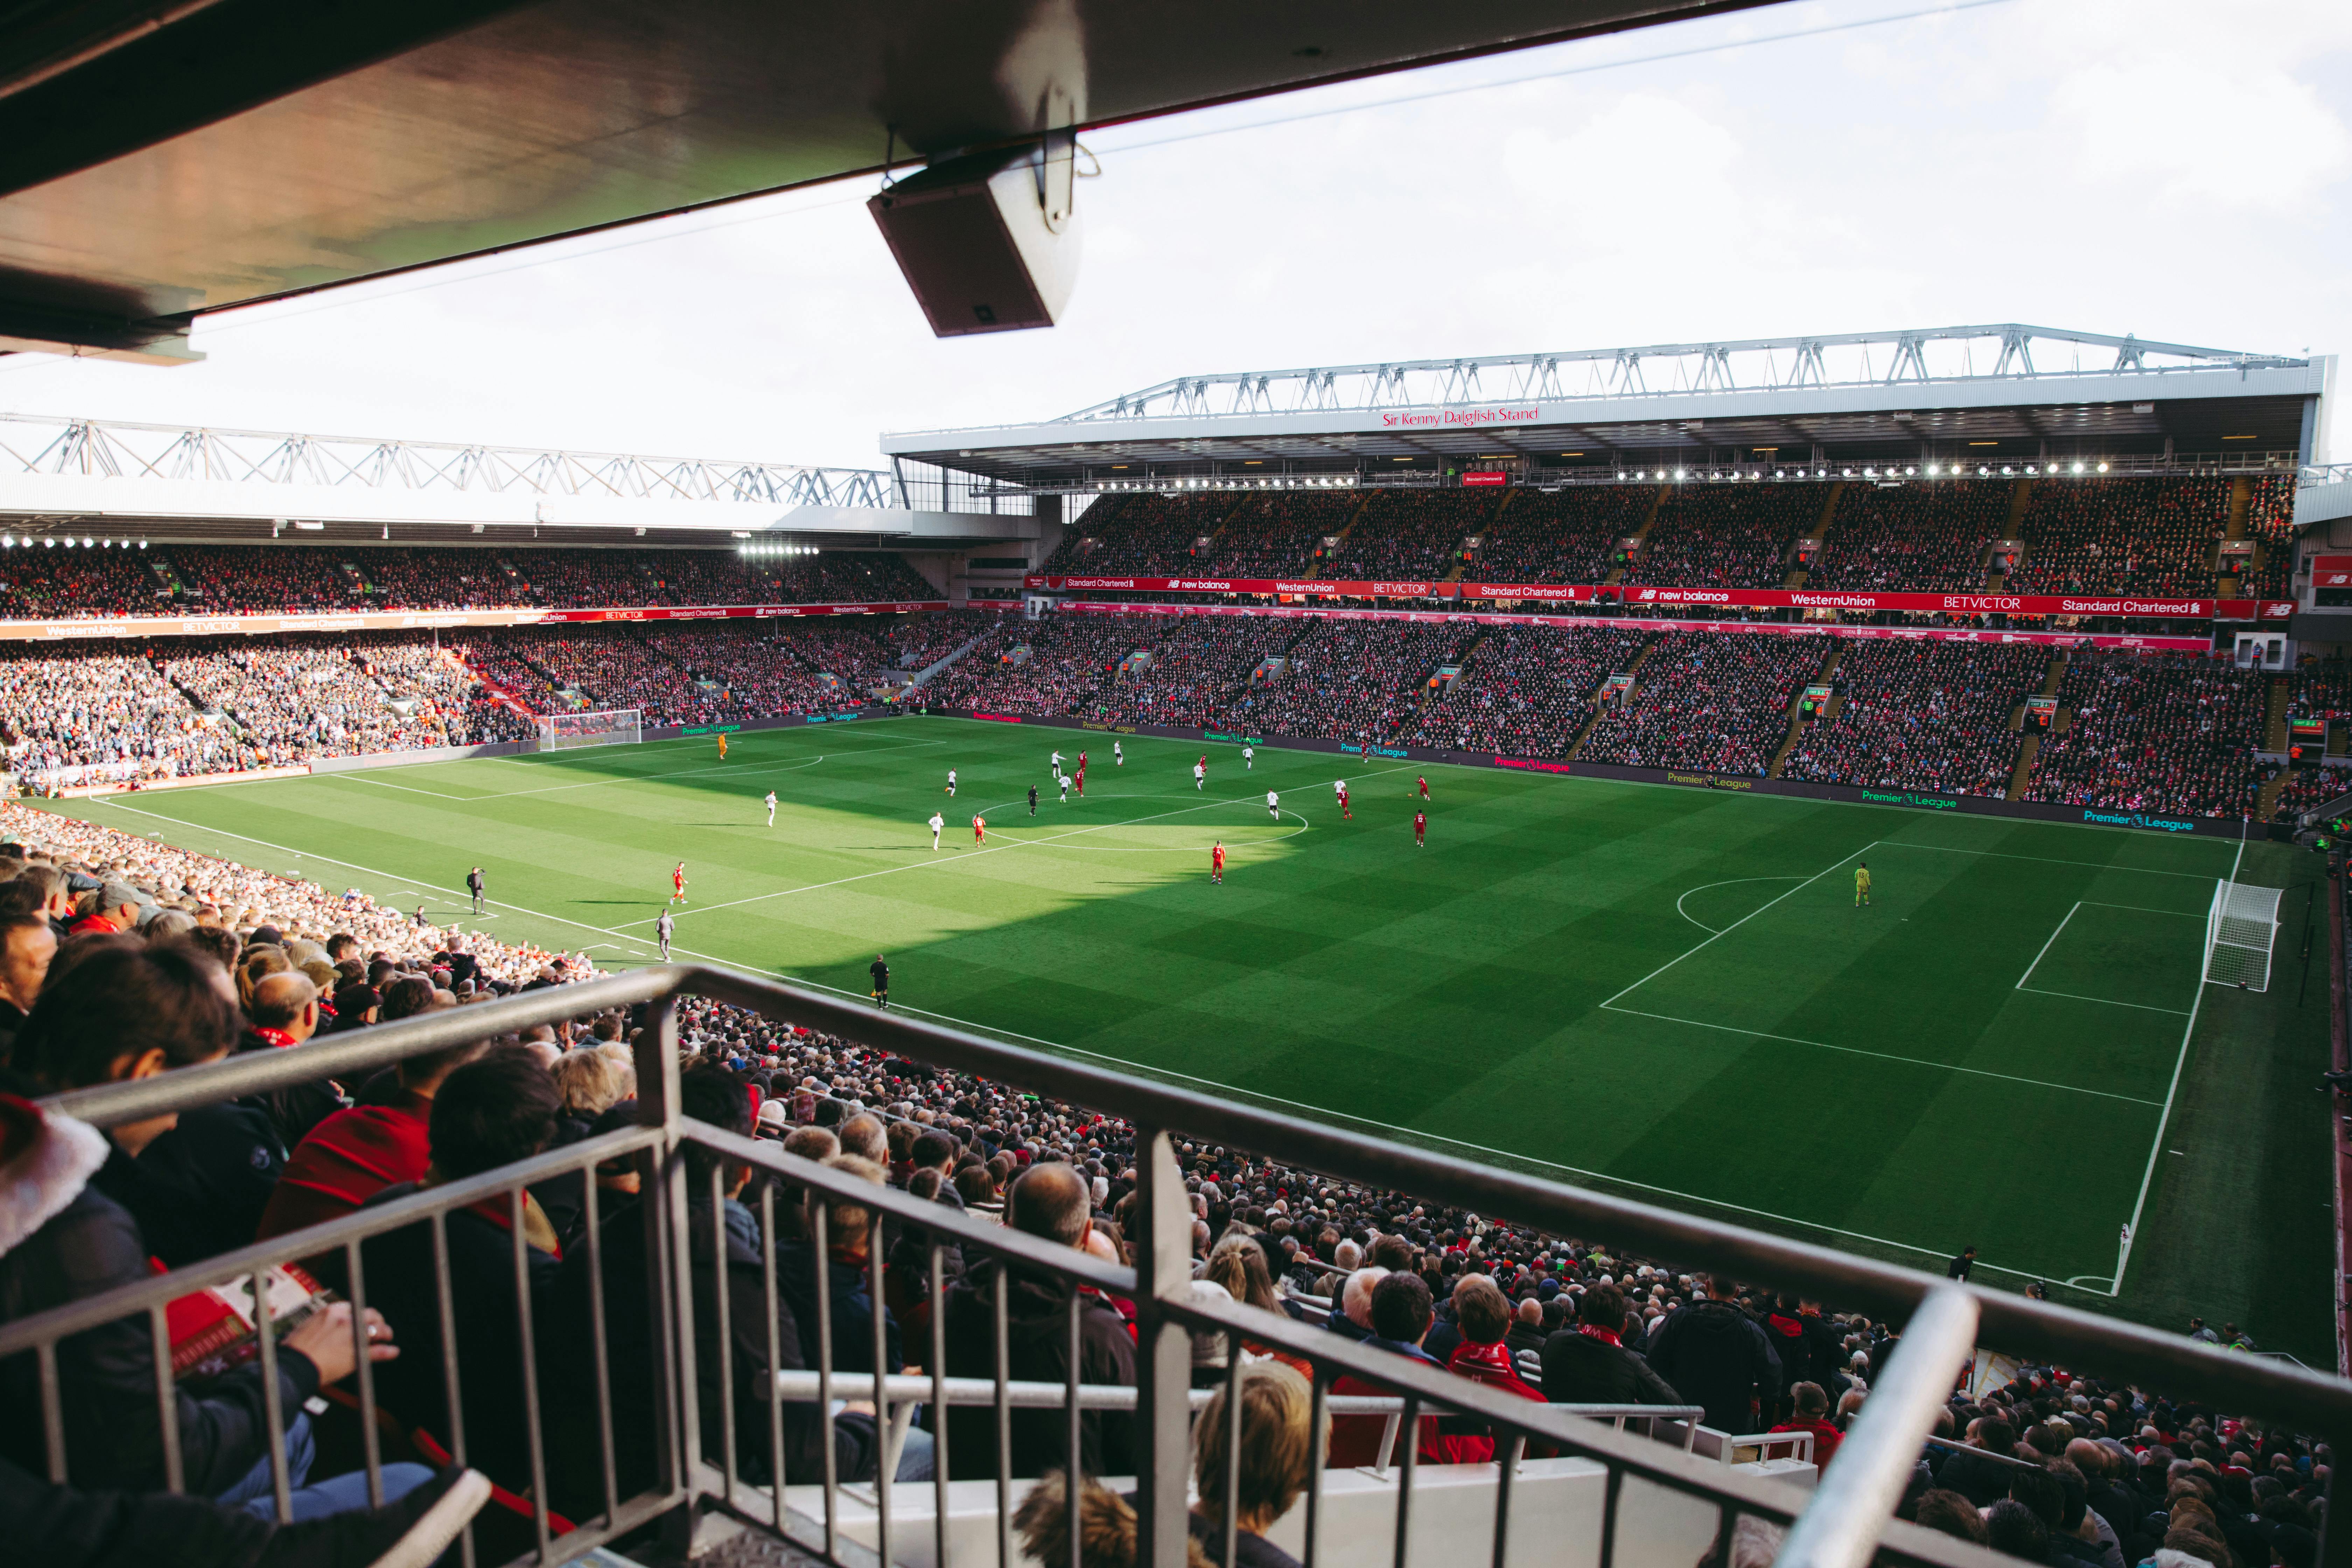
(1740,922)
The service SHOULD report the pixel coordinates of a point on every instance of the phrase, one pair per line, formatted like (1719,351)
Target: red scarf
(1604,1335)
(279,1038)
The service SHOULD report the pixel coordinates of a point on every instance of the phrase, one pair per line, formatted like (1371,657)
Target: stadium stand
(1193,668)
(2154,732)
(1912,537)
(1730,536)
(1356,680)
(252,578)
(1718,701)
(2140,536)
(1921,715)
(1149,535)
(1525,691)
(1277,535)
(1562,536)
(2270,523)
(1410,534)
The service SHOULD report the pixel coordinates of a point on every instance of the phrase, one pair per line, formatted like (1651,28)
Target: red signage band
(424,620)
(1628,623)
(1633,594)
(2331,571)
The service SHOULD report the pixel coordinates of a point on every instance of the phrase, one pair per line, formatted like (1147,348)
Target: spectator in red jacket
(1814,1415)
(356,1153)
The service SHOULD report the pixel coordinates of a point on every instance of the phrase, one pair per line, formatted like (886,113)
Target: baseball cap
(114,895)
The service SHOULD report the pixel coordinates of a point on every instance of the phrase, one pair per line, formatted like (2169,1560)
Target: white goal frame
(600,727)
(2241,930)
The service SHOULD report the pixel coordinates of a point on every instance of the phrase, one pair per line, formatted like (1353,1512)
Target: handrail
(921,1388)
(2036,1329)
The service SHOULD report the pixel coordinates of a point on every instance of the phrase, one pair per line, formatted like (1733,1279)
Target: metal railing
(700,1455)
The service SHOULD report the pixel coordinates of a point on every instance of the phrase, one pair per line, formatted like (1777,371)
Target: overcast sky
(2165,167)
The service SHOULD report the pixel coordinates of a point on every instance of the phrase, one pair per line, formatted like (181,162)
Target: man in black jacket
(567,1352)
(1587,1364)
(1718,1357)
(487,1113)
(1051,1202)
(285,1014)
(1981,1481)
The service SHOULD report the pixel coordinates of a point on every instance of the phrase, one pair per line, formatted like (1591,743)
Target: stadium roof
(77,478)
(160,160)
(1999,392)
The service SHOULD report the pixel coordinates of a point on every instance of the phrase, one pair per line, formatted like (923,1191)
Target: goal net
(605,727)
(2239,933)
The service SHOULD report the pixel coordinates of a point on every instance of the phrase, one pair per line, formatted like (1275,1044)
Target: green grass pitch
(1667,991)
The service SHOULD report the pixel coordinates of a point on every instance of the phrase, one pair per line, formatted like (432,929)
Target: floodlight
(2078,468)
(1866,473)
(1678,473)
(2005,469)
(2103,468)
(1910,473)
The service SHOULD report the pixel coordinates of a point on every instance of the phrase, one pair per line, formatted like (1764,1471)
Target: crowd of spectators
(1356,680)
(1411,535)
(2270,523)
(1727,536)
(1193,667)
(1561,536)
(1277,535)
(2130,536)
(2321,689)
(1718,701)
(2308,788)
(1526,691)
(2168,732)
(279,579)
(1912,538)
(56,584)
(295,698)
(1059,666)
(1144,535)
(1921,715)
(211,706)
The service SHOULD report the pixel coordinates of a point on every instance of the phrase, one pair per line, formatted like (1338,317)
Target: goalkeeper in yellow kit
(1862,884)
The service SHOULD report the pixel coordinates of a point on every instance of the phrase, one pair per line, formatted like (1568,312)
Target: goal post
(602,727)
(2241,928)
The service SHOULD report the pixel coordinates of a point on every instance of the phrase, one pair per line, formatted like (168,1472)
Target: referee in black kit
(881,973)
(474,886)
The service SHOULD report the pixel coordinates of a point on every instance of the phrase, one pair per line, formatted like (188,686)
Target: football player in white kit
(1273,806)
(937,823)
(1058,762)
(771,808)
(1249,759)
(950,780)
(1201,776)
(1117,757)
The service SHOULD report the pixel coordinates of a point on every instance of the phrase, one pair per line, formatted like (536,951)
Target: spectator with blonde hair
(1277,1445)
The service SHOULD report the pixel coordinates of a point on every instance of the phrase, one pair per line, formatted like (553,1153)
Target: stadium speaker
(989,242)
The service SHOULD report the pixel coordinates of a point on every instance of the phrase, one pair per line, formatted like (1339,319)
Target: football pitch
(1669,993)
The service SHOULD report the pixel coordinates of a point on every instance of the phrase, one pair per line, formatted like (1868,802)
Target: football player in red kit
(1217,863)
(1425,786)
(980,830)
(1420,829)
